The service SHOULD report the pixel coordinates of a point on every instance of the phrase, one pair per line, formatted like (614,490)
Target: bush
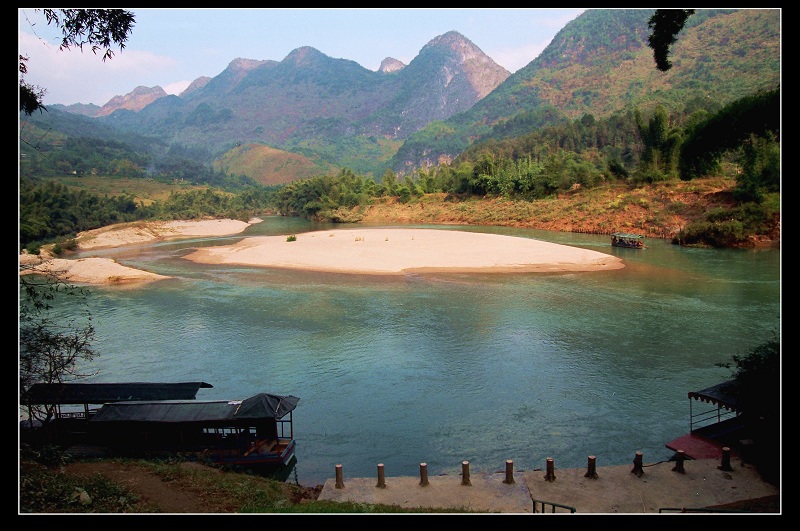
(714,233)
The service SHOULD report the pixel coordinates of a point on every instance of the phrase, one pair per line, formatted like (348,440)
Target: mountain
(332,111)
(84,109)
(390,64)
(136,100)
(600,64)
(336,114)
(195,85)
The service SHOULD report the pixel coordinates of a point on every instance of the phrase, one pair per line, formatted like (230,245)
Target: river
(447,367)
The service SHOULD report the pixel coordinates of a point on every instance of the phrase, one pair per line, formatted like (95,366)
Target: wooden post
(339,481)
(591,471)
(423,474)
(465,473)
(509,472)
(381,479)
(726,459)
(551,474)
(680,457)
(637,465)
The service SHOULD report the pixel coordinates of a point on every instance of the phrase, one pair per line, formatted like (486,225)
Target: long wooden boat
(626,239)
(141,420)
(256,431)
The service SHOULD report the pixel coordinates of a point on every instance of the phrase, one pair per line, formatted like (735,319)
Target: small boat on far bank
(625,239)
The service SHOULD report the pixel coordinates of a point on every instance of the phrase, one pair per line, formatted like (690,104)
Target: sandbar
(401,250)
(98,270)
(384,251)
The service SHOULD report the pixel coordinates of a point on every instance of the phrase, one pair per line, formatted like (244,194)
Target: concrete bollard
(726,460)
(423,474)
(339,481)
(591,470)
(381,479)
(509,472)
(680,457)
(551,474)
(465,473)
(637,465)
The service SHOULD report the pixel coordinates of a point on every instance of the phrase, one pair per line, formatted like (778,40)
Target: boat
(629,240)
(251,432)
(715,422)
(146,420)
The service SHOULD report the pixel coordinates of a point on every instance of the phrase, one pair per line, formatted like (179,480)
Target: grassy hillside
(659,210)
(268,166)
(144,191)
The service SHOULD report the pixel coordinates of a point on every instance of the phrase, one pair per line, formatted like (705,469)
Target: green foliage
(732,227)
(48,211)
(51,349)
(757,115)
(724,233)
(49,455)
(291,238)
(319,198)
(757,375)
(761,169)
(52,212)
(42,491)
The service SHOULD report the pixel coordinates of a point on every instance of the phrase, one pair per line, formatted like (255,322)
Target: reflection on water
(451,367)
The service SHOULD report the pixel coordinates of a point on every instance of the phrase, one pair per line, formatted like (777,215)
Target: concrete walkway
(615,490)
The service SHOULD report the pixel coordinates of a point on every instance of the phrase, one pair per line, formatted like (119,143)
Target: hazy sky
(172,47)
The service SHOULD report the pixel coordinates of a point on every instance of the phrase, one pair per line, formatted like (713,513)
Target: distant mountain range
(335,113)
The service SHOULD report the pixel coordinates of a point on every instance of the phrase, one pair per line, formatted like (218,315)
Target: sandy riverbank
(358,251)
(97,270)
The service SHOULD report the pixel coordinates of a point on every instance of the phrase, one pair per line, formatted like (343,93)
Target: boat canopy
(722,395)
(260,406)
(628,236)
(101,393)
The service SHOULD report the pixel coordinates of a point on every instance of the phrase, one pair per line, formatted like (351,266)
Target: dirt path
(155,494)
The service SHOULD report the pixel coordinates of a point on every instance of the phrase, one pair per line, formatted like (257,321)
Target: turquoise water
(451,367)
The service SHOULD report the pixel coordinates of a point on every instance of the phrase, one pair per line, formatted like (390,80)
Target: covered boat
(625,239)
(250,432)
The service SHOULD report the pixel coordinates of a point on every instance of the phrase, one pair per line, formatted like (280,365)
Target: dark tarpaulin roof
(100,393)
(260,406)
(722,395)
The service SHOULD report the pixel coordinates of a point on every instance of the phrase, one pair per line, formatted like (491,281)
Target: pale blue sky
(172,47)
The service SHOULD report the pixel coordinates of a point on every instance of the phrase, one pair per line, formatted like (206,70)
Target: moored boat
(164,420)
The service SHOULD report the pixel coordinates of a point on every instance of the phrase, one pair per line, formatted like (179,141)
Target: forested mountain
(600,64)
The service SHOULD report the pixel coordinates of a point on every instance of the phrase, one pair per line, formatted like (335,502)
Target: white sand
(397,250)
(359,251)
(92,271)
(95,270)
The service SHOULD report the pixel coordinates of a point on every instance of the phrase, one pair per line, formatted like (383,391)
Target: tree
(49,351)
(758,396)
(98,28)
(664,25)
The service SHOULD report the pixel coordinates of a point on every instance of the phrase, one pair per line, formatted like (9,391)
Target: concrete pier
(614,489)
